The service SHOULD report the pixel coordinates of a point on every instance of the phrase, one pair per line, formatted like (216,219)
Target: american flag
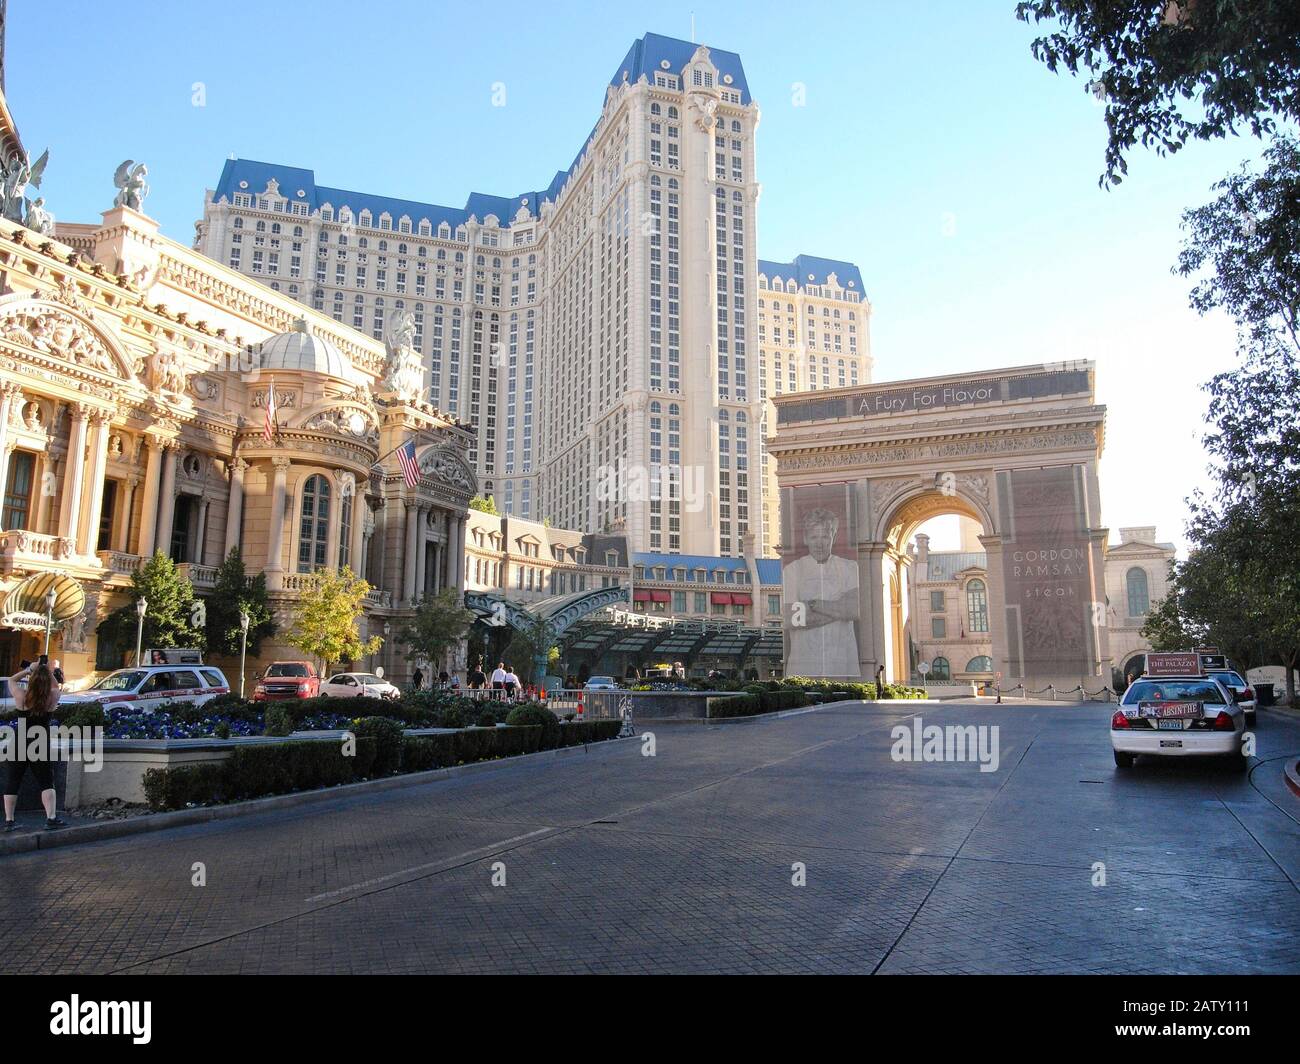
(406,456)
(268,429)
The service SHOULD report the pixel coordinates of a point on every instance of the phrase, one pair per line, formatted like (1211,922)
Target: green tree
(1176,70)
(486,506)
(173,618)
(325,621)
(235,593)
(530,647)
(436,627)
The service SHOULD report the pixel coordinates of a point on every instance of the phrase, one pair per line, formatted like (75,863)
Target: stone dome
(300,350)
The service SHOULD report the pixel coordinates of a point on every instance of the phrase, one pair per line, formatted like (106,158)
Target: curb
(1293,776)
(112,829)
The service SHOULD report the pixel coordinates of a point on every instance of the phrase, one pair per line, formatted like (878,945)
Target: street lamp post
(243,647)
(141,606)
(50,598)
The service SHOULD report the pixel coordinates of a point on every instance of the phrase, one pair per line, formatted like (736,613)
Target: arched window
(983,663)
(1139,593)
(314,529)
(940,670)
(977,607)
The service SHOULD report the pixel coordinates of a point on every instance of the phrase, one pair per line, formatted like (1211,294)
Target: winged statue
(130,184)
(19,172)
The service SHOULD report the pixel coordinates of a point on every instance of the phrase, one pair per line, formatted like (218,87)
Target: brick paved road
(681,862)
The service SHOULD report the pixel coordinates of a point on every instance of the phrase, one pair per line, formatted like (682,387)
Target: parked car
(287,679)
(600,683)
(1233,681)
(1177,716)
(152,687)
(358,685)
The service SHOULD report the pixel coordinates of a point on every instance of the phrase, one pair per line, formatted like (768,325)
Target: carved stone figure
(131,185)
(38,218)
(168,376)
(55,332)
(446,466)
(404,369)
(19,172)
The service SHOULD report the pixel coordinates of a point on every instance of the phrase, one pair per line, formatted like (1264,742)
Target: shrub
(252,771)
(452,717)
(185,785)
(387,734)
(279,721)
(487,720)
(531,715)
(230,706)
(736,706)
(222,730)
(85,715)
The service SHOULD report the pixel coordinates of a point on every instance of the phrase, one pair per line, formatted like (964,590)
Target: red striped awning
(641,596)
(738,599)
(720,598)
(661,596)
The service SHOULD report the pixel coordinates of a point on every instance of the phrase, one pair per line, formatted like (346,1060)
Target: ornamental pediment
(46,328)
(445,465)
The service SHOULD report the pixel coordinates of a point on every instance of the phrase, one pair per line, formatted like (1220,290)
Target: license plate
(1169,725)
(1171,742)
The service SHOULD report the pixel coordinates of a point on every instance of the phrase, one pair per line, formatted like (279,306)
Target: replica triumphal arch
(860,469)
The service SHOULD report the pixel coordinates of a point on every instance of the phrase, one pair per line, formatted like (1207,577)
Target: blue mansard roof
(645,57)
(848,275)
(649,53)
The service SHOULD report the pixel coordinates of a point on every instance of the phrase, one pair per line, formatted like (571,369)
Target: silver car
(1245,693)
(1177,716)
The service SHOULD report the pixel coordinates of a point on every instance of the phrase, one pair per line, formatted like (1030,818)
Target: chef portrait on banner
(819,583)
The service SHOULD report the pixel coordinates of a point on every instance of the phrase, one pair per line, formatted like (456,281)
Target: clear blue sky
(933,150)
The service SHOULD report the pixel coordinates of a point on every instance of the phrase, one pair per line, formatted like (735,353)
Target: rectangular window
(939,627)
(18,490)
(936,601)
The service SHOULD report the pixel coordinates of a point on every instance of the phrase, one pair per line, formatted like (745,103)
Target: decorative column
(360,515)
(235,507)
(201,536)
(74,475)
(275,534)
(149,506)
(126,505)
(408,558)
(456,556)
(94,488)
(421,552)
(9,394)
(439,564)
(336,520)
(167,499)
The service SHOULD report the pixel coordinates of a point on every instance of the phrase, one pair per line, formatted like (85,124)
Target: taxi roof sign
(1178,663)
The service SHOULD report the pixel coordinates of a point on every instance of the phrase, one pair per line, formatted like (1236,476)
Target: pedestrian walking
(499,679)
(417,681)
(477,679)
(511,682)
(36,695)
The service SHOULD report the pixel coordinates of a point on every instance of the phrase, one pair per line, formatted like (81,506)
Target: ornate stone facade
(134,378)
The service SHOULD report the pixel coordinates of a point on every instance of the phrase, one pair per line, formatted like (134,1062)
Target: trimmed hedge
(253,771)
(758,702)
(256,771)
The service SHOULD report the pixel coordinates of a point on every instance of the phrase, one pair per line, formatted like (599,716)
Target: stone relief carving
(284,400)
(449,468)
(55,332)
(929,452)
(204,388)
(975,485)
(168,374)
(884,490)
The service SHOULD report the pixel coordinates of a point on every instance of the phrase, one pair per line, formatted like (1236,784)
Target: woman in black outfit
(36,704)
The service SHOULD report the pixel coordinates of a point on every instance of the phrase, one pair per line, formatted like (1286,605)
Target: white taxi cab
(1174,710)
(154,686)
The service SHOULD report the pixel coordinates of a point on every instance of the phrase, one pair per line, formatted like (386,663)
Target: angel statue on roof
(131,185)
(19,172)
